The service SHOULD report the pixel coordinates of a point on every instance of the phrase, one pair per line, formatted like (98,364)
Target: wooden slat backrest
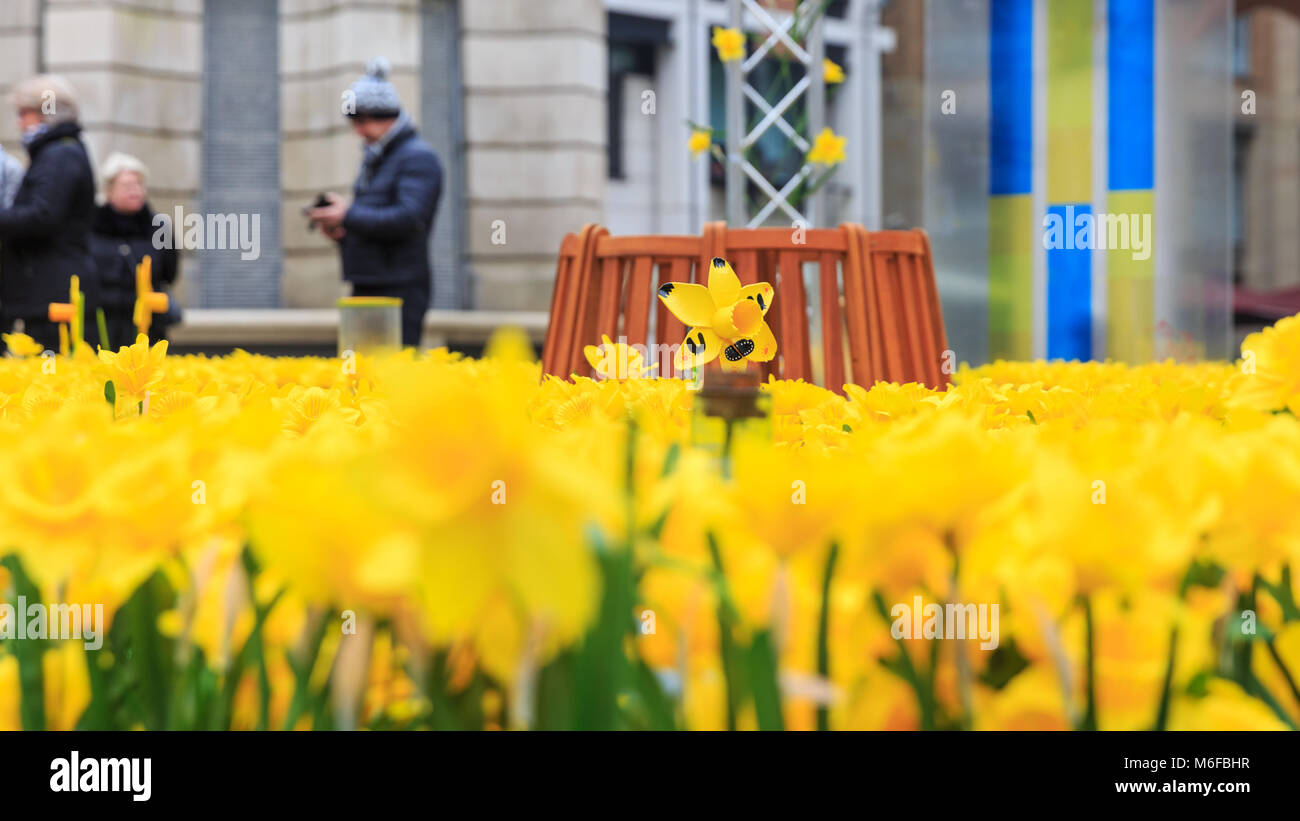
(909,323)
(886,312)
(832,319)
(564,300)
(861,314)
(626,272)
(777,256)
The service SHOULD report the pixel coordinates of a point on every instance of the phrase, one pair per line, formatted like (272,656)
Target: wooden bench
(876,303)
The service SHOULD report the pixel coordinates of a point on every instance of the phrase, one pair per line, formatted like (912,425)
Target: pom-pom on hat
(373,95)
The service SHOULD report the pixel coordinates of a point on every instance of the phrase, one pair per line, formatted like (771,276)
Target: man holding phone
(383,234)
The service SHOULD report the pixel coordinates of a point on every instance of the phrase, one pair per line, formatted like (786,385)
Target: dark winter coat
(118,243)
(45,235)
(391,216)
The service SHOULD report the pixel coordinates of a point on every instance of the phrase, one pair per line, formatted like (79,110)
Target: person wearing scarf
(122,236)
(383,234)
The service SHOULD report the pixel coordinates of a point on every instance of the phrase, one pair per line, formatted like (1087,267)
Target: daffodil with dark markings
(725,319)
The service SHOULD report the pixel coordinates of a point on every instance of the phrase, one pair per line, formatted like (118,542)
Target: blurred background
(539,113)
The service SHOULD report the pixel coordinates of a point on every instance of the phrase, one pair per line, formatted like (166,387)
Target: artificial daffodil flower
(725,319)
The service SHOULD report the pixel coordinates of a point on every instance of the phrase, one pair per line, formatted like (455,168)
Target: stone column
(324,46)
(137,68)
(1271,178)
(19,46)
(535,84)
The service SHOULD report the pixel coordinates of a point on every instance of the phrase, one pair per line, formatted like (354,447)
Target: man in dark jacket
(383,235)
(45,234)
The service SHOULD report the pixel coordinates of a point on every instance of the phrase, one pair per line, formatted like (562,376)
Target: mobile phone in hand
(322,200)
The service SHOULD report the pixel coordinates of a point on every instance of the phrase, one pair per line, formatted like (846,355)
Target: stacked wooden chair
(876,303)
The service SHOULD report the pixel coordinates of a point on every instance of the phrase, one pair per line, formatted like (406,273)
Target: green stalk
(302,670)
(1286,674)
(147,656)
(729,429)
(765,684)
(924,691)
(1090,717)
(604,670)
(31,674)
(1241,649)
(1166,687)
(103,329)
(726,639)
(823,634)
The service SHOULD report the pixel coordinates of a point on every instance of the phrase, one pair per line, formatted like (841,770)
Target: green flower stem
(31,675)
(923,687)
(302,669)
(1090,716)
(823,634)
(731,667)
(103,329)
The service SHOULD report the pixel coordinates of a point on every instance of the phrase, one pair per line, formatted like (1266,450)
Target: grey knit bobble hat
(373,95)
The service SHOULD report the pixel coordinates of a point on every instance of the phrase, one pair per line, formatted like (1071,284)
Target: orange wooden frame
(876,301)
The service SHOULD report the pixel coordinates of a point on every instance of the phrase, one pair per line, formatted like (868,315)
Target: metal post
(871,109)
(815,207)
(735,131)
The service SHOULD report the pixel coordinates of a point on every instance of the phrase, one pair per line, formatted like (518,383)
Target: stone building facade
(1267,148)
(537,109)
(236,105)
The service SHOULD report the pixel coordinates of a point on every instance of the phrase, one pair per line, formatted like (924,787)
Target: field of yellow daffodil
(430,541)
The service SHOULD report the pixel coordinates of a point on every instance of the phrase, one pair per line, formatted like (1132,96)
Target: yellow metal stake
(147,301)
(70,313)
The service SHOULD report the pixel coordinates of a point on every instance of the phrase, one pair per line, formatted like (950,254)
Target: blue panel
(1011,91)
(1069,289)
(1131,82)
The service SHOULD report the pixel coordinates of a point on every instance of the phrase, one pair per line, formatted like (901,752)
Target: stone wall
(1271,177)
(19,56)
(324,46)
(136,65)
(534,76)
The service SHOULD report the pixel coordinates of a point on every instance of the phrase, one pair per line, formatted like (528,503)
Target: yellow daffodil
(827,148)
(832,72)
(700,141)
(730,43)
(725,319)
(1270,368)
(1224,707)
(468,512)
(616,360)
(135,368)
(22,345)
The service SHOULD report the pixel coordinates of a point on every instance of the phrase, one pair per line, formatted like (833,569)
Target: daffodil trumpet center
(740,319)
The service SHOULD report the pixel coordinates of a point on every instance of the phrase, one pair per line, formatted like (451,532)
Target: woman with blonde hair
(45,233)
(122,236)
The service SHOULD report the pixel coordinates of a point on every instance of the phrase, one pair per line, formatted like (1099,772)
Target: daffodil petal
(688,302)
(760,292)
(764,344)
(724,285)
(700,347)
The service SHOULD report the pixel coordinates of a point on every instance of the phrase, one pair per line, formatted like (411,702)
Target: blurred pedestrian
(122,235)
(11,176)
(383,234)
(45,233)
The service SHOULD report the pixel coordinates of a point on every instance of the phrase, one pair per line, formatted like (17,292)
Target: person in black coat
(45,234)
(383,235)
(122,235)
